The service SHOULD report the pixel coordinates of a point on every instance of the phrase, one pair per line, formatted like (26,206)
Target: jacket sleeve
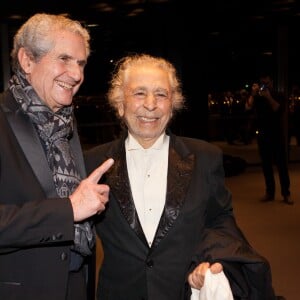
(248,272)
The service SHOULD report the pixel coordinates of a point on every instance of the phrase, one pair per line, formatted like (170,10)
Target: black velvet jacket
(36,226)
(197,224)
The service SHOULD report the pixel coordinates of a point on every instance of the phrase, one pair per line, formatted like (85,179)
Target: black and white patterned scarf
(55,131)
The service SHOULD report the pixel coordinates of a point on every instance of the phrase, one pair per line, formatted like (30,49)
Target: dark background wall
(215,45)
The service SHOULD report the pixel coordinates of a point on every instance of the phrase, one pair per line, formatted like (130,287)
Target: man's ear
(25,60)
(121,109)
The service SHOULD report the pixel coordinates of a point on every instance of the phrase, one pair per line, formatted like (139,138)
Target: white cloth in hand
(216,287)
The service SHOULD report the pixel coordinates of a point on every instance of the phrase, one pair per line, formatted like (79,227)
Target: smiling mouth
(147,119)
(64,85)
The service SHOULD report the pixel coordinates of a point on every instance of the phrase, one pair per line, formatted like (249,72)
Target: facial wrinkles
(69,57)
(147,106)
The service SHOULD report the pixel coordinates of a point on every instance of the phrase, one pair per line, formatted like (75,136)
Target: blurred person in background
(271,109)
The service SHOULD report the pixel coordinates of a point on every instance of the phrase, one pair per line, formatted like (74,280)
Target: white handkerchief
(216,287)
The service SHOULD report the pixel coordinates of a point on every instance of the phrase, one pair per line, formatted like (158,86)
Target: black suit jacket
(197,225)
(36,226)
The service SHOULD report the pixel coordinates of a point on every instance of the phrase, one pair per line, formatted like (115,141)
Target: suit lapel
(118,180)
(32,148)
(30,143)
(181,164)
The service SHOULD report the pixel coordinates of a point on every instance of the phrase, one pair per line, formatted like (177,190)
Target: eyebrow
(82,62)
(68,56)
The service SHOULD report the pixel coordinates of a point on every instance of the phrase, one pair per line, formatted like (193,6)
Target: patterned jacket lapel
(118,180)
(181,164)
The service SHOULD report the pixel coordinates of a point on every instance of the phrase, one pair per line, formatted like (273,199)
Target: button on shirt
(147,169)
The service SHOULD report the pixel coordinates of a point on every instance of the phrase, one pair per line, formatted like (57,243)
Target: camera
(262,87)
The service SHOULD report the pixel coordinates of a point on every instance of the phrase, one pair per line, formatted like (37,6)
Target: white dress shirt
(147,169)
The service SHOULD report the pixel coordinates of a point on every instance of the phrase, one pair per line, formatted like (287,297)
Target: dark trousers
(77,289)
(273,149)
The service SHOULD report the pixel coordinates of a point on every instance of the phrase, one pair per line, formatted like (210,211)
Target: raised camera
(262,87)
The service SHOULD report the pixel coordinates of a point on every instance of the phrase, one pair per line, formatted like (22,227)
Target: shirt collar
(132,144)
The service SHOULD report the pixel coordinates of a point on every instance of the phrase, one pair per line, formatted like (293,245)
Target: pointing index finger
(98,172)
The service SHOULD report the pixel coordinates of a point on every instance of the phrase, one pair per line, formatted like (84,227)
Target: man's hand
(90,197)
(197,277)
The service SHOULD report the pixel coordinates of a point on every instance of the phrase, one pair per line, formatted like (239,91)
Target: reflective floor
(273,228)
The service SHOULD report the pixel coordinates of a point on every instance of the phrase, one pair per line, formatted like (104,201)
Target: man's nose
(75,71)
(150,102)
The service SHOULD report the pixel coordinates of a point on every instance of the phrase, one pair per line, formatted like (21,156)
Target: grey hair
(34,36)
(115,93)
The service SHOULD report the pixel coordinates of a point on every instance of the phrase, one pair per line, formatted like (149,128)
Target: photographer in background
(272,138)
